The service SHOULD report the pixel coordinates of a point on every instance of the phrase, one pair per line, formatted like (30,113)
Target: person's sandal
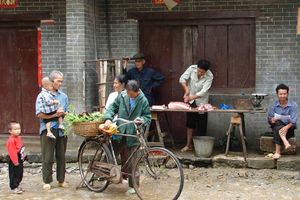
(186,148)
(270,156)
(17,191)
(47,187)
(130,191)
(63,185)
(276,156)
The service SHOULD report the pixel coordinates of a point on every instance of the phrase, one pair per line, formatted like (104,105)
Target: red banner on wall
(158,2)
(9,3)
(39,57)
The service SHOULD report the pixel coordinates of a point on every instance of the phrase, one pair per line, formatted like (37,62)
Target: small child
(50,106)
(15,149)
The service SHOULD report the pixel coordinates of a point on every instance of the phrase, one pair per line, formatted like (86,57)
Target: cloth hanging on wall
(171,3)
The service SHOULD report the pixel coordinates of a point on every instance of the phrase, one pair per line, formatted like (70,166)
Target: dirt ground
(200,183)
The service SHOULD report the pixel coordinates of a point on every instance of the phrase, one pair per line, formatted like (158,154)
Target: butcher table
(237,118)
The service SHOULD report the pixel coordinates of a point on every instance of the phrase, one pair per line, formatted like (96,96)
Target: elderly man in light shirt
(196,81)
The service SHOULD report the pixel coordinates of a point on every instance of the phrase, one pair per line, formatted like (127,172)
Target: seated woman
(282,117)
(119,85)
(131,105)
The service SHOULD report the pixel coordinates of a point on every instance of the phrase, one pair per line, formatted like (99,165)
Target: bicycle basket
(86,129)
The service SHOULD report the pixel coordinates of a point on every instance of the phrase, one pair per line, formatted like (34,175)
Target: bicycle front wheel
(157,174)
(92,152)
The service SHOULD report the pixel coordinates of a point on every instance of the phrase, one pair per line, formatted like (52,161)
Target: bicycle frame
(139,136)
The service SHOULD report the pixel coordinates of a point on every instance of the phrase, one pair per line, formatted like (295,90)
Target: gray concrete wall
(277,48)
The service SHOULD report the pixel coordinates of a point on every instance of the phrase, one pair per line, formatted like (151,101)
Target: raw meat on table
(179,105)
(205,107)
(158,107)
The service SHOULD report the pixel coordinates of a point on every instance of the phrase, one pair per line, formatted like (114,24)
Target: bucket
(203,145)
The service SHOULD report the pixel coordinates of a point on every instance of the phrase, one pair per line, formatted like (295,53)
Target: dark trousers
(50,147)
(276,137)
(197,121)
(15,173)
(121,148)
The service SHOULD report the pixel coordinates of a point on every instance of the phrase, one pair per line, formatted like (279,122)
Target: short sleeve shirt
(63,103)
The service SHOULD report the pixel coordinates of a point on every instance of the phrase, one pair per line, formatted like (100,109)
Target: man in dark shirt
(147,77)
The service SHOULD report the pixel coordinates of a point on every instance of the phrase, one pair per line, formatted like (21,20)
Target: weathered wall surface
(70,41)
(53,36)
(277,47)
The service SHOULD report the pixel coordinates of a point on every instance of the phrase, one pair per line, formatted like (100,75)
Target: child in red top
(15,150)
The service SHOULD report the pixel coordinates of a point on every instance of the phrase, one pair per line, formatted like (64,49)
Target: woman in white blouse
(119,85)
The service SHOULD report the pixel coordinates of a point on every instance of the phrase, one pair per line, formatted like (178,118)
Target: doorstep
(188,159)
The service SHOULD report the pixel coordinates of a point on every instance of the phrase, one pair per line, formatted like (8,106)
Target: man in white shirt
(196,81)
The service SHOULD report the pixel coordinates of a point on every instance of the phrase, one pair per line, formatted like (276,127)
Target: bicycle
(156,172)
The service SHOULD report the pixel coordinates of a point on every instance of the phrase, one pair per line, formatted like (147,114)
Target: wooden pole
(298,22)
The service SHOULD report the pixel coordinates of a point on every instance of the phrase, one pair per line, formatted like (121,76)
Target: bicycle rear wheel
(157,174)
(93,151)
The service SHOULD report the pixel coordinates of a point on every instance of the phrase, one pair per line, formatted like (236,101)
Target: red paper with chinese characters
(9,3)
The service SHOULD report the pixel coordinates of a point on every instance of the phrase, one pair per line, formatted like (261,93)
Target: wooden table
(236,119)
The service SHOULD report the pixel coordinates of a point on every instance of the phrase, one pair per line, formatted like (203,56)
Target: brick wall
(81,47)
(90,92)
(67,54)
(278,47)
(70,41)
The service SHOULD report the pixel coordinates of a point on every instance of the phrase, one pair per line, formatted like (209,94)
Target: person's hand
(17,164)
(60,110)
(283,131)
(107,124)
(59,114)
(273,120)
(138,120)
(55,101)
(186,99)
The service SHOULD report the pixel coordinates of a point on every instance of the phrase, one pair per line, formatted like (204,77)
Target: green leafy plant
(72,118)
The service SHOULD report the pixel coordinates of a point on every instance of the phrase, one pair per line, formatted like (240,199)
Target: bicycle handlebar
(123,120)
(137,122)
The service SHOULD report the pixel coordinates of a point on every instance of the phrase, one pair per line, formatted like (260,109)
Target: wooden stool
(161,135)
(236,121)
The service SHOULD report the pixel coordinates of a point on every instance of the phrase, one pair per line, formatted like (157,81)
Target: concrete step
(188,159)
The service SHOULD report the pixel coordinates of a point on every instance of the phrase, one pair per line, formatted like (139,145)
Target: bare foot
(61,127)
(186,148)
(50,135)
(288,146)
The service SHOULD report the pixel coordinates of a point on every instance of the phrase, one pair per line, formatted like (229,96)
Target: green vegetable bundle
(84,117)
(72,118)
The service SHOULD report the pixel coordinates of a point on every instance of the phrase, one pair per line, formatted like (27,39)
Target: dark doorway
(174,41)
(19,72)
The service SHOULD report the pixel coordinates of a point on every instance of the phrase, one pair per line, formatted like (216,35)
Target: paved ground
(200,183)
